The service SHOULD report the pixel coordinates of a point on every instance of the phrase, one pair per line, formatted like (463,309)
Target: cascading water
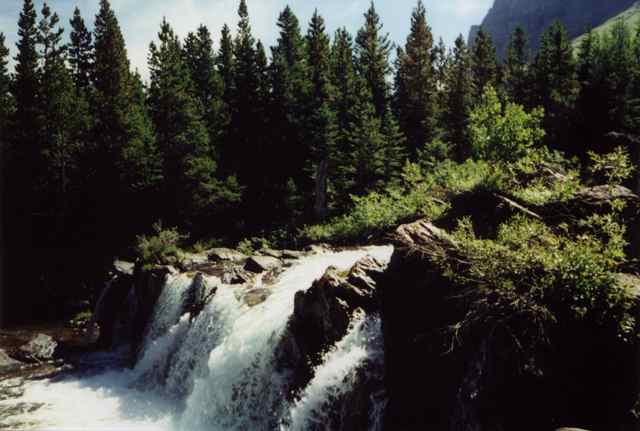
(216,370)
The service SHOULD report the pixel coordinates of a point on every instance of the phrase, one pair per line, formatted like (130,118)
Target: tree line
(226,139)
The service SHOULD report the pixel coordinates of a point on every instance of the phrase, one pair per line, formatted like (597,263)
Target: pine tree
(555,84)
(416,85)
(290,84)
(372,52)
(343,80)
(80,52)
(6,100)
(516,74)
(367,145)
(207,82)
(459,100)
(321,127)
(485,63)
(188,163)
(225,61)
(23,152)
(589,112)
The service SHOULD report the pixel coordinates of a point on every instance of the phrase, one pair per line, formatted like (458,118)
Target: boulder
(40,348)
(254,297)
(260,264)
(124,267)
(200,292)
(278,254)
(225,254)
(8,364)
(293,254)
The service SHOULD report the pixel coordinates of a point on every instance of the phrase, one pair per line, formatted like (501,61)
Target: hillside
(631,17)
(536,16)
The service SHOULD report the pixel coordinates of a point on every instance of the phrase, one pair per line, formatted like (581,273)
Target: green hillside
(631,16)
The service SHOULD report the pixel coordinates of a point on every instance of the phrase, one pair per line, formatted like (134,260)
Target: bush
(161,248)
(503,132)
(531,276)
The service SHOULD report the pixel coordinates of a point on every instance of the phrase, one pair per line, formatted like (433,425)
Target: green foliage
(532,277)
(160,248)
(250,246)
(503,132)
(485,63)
(614,167)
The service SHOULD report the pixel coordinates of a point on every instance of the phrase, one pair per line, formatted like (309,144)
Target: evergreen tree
(80,52)
(23,158)
(618,71)
(290,84)
(321,127)
(372,52)
(207,82)
(516,73)
(367,145)
(416,85)
(588,120)
(459,100)
(485,63)
(555,84)
(225,62)
(6,101)
(343,80)
(187,157)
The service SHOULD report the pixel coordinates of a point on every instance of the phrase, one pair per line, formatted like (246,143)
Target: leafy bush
(249,246)
(615,167)
(161,248)
(531,276)
(503,132)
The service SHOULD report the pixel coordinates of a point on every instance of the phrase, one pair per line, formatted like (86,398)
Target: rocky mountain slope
(536,15)
(630,16)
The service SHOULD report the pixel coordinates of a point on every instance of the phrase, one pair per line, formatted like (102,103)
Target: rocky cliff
(536,15)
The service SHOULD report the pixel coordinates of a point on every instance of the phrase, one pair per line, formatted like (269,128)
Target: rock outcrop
(536,15)
(586,376)
(322,315)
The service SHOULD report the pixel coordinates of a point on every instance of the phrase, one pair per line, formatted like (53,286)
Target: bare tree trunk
(320,204)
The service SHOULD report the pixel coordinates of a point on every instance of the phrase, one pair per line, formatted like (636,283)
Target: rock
(278,254)
(571,429)
(256,296)
(226,254)
(8,364)
(41,348)
(236,275)
(124,267)
(200,292)
(318,248)
(260,264)
(293,254)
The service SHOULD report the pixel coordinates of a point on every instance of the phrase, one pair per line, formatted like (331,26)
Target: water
(216,371)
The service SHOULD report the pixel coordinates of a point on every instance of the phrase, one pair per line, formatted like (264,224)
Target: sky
(140,19)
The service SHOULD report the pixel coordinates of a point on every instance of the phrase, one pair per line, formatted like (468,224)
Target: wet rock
(260,264)
(318,248)
(124,267)
(278,254)
(200,292)
(41,348)
(293,254)
(256,296)
(8,364)
(222,254)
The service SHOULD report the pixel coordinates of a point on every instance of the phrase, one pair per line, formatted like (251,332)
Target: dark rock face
(322,316)
(536,15)
(586,377)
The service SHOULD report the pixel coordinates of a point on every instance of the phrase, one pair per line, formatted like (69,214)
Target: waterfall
(218,370)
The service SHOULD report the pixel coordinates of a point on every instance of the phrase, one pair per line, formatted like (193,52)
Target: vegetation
(307,143)
(160,248)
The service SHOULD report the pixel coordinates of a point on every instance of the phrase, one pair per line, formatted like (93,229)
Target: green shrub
(503,132)
(615,167)
(531,277)
(160,248)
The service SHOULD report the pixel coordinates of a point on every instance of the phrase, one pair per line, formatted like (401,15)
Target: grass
(631,17)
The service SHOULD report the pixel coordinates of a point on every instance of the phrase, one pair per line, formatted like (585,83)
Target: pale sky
(140,19)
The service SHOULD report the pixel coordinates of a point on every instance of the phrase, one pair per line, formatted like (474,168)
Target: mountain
(536,15)
(630,16)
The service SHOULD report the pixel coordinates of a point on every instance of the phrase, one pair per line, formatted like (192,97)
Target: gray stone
(260,264)
(124,267)
(8,364)
(42,347)
(226,254)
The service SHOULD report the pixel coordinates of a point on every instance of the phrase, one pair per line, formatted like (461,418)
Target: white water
(214,372)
